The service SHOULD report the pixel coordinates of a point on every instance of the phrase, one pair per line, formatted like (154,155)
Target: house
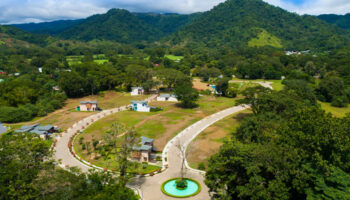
(140,106)
(137,91)
(88,106)
(143,150)
(43,131)
(3,129)
(167,97)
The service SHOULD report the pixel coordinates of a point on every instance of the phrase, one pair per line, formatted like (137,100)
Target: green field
(276,84)
(98,58)
(265,39)
(173,57)
(338,112)
(161,126)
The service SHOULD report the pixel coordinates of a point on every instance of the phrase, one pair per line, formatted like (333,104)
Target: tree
(73,84)
(251,95)
(330,88)
(222,85)
(122,142)
(186,94)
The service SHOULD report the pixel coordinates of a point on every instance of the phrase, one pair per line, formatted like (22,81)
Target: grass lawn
(210,140)
(99,59)
(173,57)
(264,38)
(276,84)
(338,112)
(161,126)
(67,116)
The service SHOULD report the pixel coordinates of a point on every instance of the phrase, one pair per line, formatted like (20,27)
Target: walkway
(150,186)
(62,153)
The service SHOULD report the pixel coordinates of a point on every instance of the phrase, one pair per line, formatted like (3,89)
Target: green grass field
(276,84)
(99,59)
(338,112)
(173,57)
(265,39)
(161,126)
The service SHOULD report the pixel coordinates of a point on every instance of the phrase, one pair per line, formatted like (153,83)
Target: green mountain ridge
(116,25)
(342,21)
(236,22)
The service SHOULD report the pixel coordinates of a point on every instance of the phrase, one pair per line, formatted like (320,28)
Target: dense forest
(342,21)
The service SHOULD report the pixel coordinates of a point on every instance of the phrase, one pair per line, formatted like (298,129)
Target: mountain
(342,21)
(11,32)
(156,25)
(116,25)
(241,23)
(51,28)
(167,23)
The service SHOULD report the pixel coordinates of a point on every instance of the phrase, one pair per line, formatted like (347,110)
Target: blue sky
(23,11)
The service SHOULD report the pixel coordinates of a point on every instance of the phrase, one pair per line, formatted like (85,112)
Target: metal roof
(135,88)
(138,102)
(85,102)
(146,140)
(168,95)
(3,129)
(142,148)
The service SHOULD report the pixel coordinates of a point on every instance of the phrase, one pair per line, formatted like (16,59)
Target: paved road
(62,152)
(150,186)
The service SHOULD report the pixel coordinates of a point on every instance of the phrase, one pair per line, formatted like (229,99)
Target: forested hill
(167,23)
(12,33)
(51,28)
(342,21)
(238,23)
(116,25)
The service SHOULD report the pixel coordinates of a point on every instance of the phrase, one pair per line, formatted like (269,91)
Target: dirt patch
(206,146)
(210,140)
(199,85)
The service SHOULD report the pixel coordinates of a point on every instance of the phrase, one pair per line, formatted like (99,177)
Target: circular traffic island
(181,188)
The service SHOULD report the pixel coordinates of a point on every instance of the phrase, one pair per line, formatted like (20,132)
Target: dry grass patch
(210,140)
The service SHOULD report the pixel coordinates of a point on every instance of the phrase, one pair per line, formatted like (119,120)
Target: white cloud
(19,11)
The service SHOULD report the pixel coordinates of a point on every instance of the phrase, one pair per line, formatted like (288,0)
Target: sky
(25,11)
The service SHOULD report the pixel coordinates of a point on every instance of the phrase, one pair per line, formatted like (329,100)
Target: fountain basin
(169,188)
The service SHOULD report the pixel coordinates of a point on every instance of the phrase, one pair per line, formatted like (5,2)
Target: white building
(167,97)
(140,106)
(88,106)
(137,91)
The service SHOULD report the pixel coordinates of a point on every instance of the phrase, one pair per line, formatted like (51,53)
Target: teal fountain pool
(169,188)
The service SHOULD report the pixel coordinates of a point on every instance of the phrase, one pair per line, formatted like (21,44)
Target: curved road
(149,187)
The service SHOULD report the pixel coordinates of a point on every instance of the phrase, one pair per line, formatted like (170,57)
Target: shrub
(340,102)
(156,109)
(231,92)
(201,166)
(181,184)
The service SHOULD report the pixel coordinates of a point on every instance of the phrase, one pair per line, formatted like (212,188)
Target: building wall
(83,107)
(136,92)
(141,108)
(172,99)
(144,156)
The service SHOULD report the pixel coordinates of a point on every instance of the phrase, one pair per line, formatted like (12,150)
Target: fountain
(175,188)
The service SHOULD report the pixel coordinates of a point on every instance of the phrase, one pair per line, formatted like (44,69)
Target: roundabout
(170,188)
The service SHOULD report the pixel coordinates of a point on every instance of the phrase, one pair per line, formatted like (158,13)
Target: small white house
(88,106)
(137,91)
(140,106)
(167,97)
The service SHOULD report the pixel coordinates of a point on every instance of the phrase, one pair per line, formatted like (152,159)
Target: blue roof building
(3,129)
